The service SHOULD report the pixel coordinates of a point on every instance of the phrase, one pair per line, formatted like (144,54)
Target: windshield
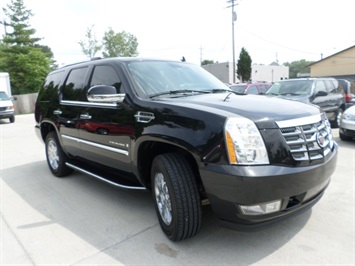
(3,96)
(292,87)
(239,88)
(156,78)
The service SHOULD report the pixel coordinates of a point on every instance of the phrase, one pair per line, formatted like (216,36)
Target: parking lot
(78,220)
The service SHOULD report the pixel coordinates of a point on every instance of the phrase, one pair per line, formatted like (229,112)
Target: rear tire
(56,158)
(176,197)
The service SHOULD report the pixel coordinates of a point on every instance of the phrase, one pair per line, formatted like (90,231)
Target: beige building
(340,65)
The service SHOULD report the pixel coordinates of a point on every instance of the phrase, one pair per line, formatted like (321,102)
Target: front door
(105,130)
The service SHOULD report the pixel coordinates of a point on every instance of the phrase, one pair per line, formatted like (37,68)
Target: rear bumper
(297,188)
(38,132)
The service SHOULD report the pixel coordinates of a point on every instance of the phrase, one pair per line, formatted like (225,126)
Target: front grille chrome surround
(308,138)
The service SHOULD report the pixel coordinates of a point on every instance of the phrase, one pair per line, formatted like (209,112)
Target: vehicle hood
(263,110)
(298,98)
(5,103)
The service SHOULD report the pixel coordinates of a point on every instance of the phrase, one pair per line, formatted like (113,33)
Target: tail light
(348,97)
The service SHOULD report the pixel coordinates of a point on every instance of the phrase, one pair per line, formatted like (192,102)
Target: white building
(222,71)
(272,73)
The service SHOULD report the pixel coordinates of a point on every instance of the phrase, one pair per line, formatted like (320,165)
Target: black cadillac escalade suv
(172,128)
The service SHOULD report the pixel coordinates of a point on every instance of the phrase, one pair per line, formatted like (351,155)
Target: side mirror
(104,94)
(321,93)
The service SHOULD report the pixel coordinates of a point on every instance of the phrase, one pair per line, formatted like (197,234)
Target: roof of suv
(115,59)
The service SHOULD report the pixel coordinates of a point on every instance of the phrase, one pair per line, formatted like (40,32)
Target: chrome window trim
(300,121)
(86,104)
(108,148)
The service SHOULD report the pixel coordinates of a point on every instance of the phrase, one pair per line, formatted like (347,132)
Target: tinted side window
(263,88)
(51,86)
(106,75)
(329,86)
(253,90)
(74,86)
(320,86)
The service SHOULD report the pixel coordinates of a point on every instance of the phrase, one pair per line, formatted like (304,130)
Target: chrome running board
(102,178)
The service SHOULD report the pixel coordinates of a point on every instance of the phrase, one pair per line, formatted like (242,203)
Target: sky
(270,30)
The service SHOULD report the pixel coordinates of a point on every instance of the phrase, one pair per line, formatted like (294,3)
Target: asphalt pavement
(79,220)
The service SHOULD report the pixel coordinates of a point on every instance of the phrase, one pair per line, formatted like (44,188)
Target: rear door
(71,105)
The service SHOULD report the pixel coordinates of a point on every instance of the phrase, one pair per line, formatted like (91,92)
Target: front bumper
(299,188)
(6,114)
(347,127)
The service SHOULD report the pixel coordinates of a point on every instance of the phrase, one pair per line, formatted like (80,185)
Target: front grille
(308,139)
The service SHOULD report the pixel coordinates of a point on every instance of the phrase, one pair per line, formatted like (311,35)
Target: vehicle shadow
(121,224)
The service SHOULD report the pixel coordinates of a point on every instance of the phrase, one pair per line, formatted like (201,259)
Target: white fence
(24,103)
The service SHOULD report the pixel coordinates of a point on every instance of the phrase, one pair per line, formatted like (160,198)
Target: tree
(207,62)
(19,16)
(90,46)
(244,65)
(21,56)
(119,44)
(298,67)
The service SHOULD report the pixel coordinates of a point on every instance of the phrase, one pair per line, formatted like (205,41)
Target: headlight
(244,142)
(348,116)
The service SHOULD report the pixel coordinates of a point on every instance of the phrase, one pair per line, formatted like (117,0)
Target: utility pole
(234,18)
(201,50)
(4,24)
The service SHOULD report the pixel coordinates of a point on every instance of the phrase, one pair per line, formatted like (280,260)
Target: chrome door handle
(85,116)
(57,112)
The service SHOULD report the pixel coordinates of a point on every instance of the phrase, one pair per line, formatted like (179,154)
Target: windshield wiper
(224,90)
(176,92)
(289,93)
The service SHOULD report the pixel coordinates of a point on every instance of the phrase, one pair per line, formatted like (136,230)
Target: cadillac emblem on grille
(320,140)
(307,138)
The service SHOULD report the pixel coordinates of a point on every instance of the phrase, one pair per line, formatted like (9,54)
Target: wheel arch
(46,128)
(148,150)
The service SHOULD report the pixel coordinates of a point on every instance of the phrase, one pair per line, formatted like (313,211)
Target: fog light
(263,208)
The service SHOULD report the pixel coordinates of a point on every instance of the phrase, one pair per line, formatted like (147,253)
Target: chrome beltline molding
(120,151)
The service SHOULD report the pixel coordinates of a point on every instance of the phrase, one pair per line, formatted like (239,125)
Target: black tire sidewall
(184,196)
(62,169)
(157,167)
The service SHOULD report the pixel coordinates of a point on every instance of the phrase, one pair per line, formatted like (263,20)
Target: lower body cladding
(246,197)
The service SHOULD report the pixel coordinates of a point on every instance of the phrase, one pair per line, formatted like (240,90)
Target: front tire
(344,137)
(176,197)
(12,119)
(56,158)
(336,122)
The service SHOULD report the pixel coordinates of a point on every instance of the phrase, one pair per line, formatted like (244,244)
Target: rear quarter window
(51,86)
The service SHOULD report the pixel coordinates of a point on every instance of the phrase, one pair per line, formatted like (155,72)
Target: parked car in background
(347,124)
(7,109)
(345,85)
(250,88)
(323,92)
